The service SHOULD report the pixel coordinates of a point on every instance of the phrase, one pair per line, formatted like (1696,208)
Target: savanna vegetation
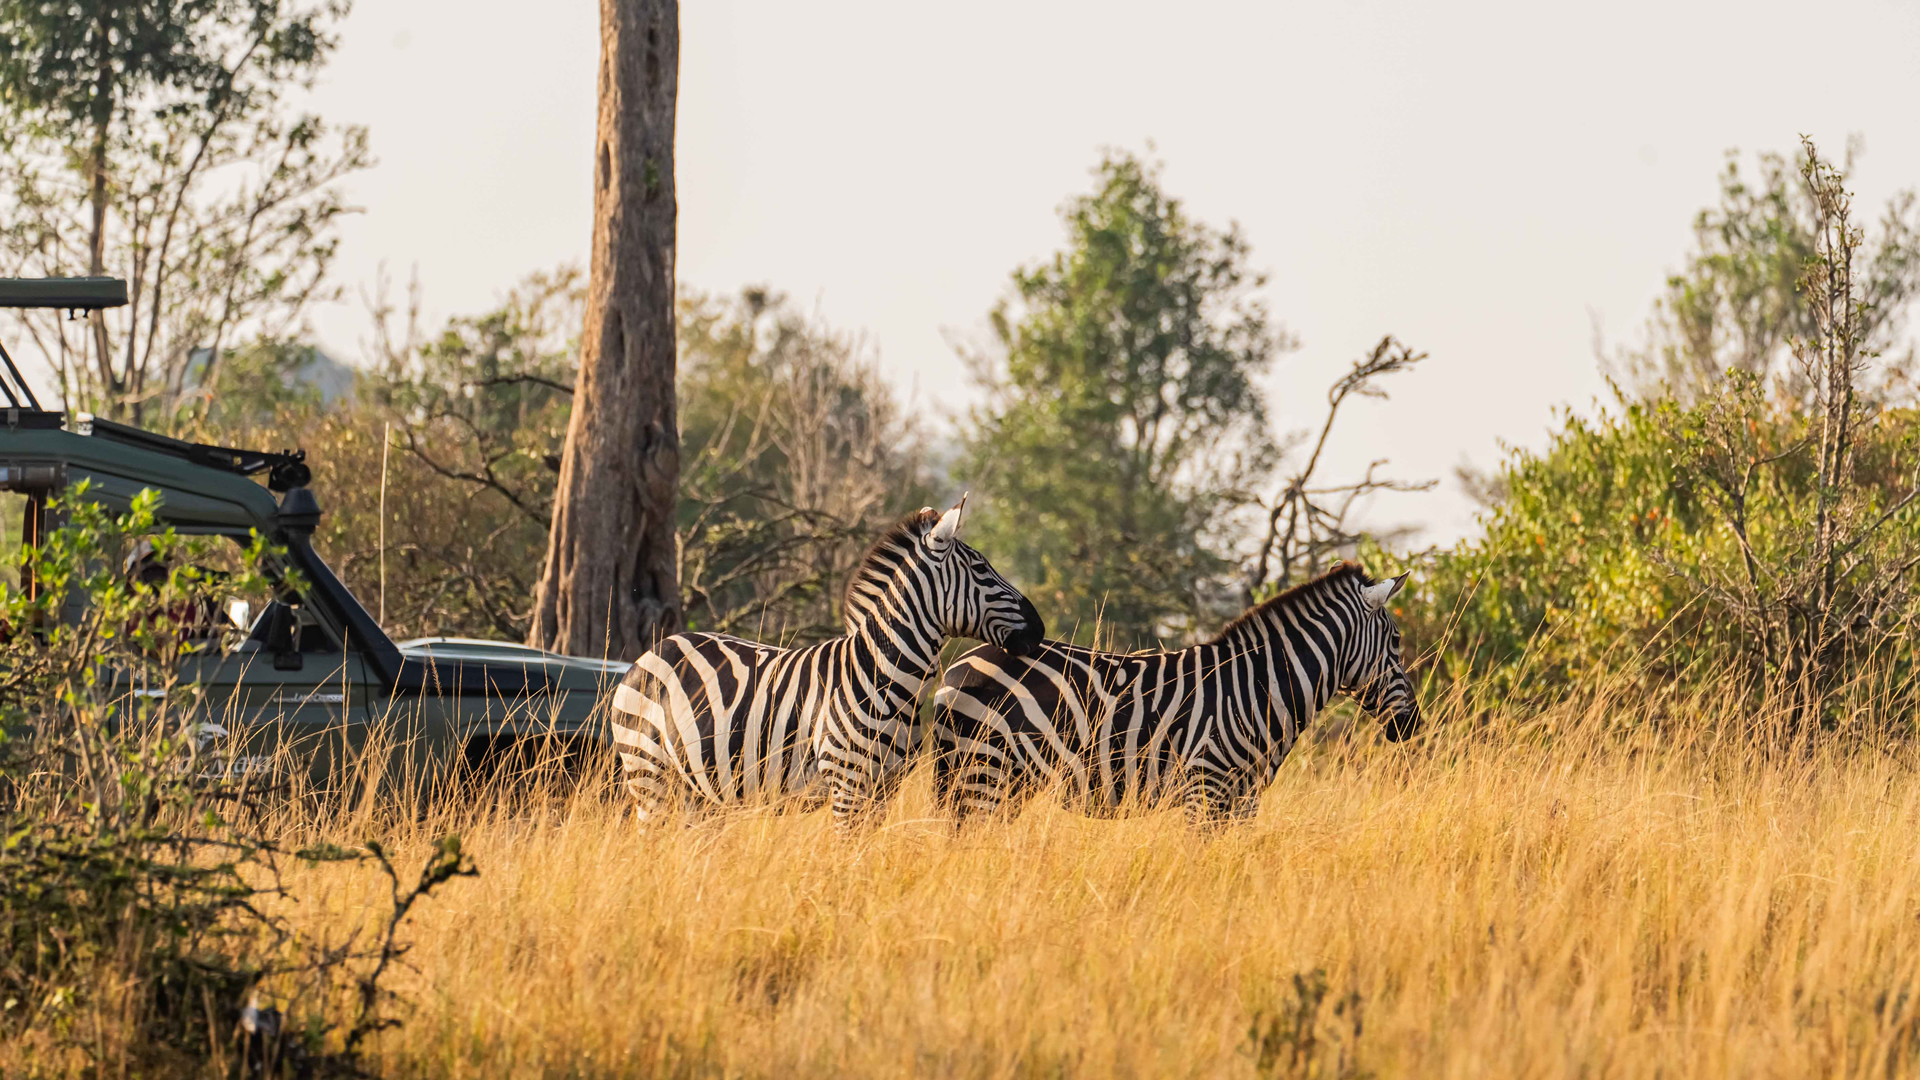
(1660,823)
(1597,887)
(1751,523)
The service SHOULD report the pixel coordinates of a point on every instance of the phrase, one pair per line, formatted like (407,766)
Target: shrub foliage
(135,896)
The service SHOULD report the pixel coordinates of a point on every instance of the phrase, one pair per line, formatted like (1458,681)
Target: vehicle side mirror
(280,625)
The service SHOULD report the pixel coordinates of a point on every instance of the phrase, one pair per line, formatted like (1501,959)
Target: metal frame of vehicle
(343,675)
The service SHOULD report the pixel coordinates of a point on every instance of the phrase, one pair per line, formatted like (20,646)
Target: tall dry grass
(1577,893)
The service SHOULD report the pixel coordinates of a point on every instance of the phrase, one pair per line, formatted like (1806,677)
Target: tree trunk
(609,586)
(112,392)
(97,239)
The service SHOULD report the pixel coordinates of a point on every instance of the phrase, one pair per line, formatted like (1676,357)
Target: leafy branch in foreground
(138,910)
(446,863)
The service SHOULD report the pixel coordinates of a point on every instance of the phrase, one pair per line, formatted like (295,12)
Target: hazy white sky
(1483,180)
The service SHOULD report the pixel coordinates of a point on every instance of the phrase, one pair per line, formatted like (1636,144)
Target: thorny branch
(1305,522)
(1808,595)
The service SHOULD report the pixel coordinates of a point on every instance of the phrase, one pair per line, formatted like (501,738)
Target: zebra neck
(906,649)
(1300,653)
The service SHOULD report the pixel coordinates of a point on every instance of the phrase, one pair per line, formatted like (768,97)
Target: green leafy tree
(1762,521)
(1562,586)
(1738,303)
(1817,490)
(797,453)
(1122,425)
(150,140)
(1617,553)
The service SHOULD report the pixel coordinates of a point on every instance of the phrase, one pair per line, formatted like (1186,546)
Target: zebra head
(1375,673)
(971,598)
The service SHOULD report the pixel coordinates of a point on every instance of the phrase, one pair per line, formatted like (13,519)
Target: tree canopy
(1123,425)
(1737,303)
(150,140)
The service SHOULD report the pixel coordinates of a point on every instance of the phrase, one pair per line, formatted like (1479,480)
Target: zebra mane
(906,531)
(1344,571)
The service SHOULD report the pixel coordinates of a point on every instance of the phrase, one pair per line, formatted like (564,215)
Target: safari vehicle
(312,668)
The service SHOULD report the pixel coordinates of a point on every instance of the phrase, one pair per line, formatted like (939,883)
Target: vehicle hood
(569,671)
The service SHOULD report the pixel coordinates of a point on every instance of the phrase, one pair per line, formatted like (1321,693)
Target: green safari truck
(312,668)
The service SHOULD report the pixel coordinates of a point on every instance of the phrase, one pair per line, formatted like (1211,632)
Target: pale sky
(1483,180)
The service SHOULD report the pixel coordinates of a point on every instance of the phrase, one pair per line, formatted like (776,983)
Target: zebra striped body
(712,720)
(1210,724)
(718,719)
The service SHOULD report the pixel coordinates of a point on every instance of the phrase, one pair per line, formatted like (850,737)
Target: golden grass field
(1569,895)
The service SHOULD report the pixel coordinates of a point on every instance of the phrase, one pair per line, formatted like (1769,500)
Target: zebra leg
(950,769)
(860,798)
(656,788)
(849,778)
(970,773)
(944,769)
(664,796)
(1208,805)
(658,795)
(1248,786)
(969,783)
(863,765)
(853,806)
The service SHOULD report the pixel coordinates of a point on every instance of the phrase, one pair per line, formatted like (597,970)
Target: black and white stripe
(1209,724)
(712,720)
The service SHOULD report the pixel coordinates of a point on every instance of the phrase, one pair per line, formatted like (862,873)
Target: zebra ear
(1376,596)
(947,528)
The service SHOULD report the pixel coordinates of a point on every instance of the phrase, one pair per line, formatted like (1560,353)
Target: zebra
(710,720)
(1209,723)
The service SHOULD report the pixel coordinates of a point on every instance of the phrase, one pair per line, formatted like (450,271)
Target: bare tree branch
(1311,529)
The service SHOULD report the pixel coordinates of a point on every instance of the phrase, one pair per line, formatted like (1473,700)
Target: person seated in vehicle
(194,618)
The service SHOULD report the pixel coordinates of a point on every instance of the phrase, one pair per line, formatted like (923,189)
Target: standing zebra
(1210,723)
(714,720)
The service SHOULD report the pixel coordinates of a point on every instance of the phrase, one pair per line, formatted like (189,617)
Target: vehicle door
(290,700)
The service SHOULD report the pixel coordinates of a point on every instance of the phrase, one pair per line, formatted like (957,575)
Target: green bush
(133,910)
(1562,584)
(1594,563)
(1760,524)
